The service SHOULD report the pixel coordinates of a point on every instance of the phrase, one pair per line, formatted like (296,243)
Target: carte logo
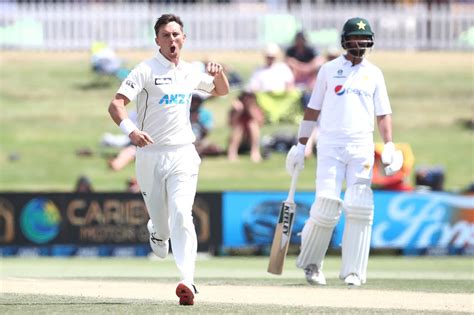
(339,89)
(40,220)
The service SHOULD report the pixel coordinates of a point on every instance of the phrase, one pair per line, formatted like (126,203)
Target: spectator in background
(132,185)
(202,122)
(125,156)
(332,53)
(273,76)
(83,185)
(245,120)
(273,84)
(105,61)
(304,62)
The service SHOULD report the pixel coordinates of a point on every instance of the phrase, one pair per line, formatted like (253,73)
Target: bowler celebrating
(167,163)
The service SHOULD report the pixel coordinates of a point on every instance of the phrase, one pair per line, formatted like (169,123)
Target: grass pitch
(424,285)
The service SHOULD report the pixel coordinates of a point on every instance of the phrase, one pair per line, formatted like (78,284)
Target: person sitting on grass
(245,119)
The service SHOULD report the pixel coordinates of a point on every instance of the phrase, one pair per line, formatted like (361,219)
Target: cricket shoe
(352,280)
(314,276)
(186,292)
(159,247)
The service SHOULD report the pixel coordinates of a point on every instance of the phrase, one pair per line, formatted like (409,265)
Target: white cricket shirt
(163,94)
(349,97)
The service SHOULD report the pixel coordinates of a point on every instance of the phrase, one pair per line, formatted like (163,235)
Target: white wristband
(127,126)
(306,128)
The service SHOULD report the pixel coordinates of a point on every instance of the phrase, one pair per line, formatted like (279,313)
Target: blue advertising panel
(423,220)
(249,218)
(407,221)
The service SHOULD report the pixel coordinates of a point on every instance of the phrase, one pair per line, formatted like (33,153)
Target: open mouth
(172,49)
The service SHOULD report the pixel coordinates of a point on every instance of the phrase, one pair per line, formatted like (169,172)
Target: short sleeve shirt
(271,79)
(163,94)
(349,97)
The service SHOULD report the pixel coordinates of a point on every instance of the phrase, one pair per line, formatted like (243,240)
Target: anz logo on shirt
(340,90)
(176,99)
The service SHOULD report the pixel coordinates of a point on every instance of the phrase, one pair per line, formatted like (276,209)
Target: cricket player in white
(348,93)
(167,163)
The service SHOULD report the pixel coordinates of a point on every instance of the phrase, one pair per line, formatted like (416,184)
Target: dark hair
(165,19)
(301,35)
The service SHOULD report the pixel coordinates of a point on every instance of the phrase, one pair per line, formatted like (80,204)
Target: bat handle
(294,180)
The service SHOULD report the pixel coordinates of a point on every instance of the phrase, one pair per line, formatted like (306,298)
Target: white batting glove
(295,158)
(388,152)
(396,165)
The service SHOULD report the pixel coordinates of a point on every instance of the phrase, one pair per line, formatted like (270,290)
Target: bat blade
(281,238)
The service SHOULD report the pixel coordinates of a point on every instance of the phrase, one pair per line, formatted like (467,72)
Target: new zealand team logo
(339,89)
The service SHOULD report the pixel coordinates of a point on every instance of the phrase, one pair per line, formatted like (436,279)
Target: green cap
(357,26)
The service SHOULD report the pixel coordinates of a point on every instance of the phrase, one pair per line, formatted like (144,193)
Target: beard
(357,52)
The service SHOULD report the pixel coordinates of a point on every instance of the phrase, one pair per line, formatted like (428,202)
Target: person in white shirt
(274,75)
(348,93)
(167,163)
(274,85)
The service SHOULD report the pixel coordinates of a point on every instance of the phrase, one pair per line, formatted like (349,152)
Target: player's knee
(181,219)
(325,212)
(359,203)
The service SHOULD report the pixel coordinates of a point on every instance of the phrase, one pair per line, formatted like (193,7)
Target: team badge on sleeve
(130,83)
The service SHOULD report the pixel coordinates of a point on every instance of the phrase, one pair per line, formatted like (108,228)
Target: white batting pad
(317,232)
(359,210)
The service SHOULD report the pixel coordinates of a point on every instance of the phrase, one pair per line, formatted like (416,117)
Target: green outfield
(422,285)
(50,109)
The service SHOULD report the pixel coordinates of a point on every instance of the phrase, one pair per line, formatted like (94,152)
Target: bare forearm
(385,127)
(221,84)
(117,109)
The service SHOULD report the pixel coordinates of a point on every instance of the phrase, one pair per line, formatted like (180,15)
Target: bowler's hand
(295,159)
(214,68)
(140,138)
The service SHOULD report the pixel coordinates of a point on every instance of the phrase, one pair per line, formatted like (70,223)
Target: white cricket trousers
(168,179)
(353,163)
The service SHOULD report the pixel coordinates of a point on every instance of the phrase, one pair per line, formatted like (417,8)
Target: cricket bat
(281,239)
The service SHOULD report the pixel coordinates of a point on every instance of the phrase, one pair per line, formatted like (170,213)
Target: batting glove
(295,158)
(388,153)
(396,165)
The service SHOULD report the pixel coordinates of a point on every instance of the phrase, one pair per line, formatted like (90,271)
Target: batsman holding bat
(167,162)
(348,93)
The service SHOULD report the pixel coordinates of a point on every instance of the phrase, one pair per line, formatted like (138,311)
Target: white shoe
(352,280)
(314,276)
(186,292)
(159,247)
